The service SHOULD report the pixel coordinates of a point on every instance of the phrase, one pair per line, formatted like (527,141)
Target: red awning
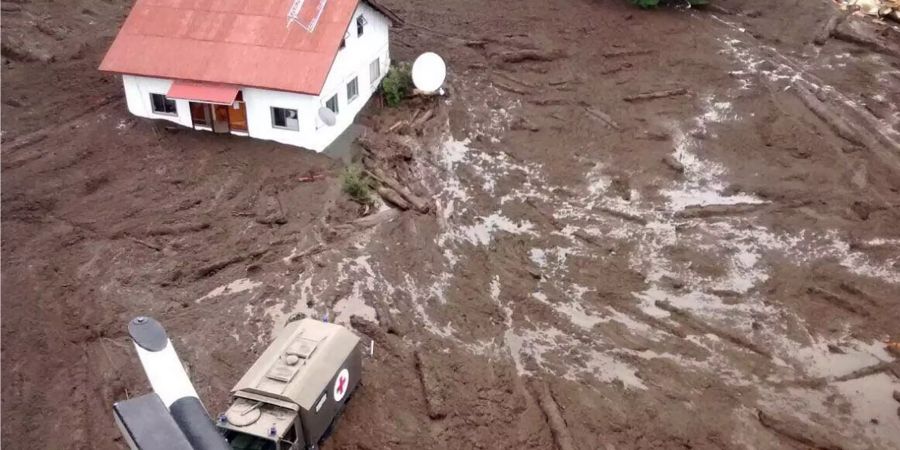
(221,94)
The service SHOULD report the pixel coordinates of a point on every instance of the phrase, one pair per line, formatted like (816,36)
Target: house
(260,68)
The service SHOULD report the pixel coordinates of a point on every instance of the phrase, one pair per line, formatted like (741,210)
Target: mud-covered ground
(716,268)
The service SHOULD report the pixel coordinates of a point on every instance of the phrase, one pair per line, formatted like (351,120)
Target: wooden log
(211,268)
(393,197)
(868,370)
(835,121)
(434,397)
(558,426)
(629,52)
(793,430)
(518,80)
(829,27)
(623,215)
(698,212)
(178,228)
(654,95)
(518,56)
(849,35)
(673,163)
(616,69)
(698,325)
(419,204)
(512,89)
(837,300)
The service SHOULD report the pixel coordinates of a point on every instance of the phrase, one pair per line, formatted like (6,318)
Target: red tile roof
(239,42)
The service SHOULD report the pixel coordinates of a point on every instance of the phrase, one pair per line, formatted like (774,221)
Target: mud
(714,269)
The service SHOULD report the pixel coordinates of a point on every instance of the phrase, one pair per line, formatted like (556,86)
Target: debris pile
(879,8)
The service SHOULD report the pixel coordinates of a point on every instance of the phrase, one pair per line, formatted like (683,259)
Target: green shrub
(655,3)
(397,84)
(356,185)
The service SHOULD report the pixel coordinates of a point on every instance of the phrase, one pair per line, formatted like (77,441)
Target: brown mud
(664,229)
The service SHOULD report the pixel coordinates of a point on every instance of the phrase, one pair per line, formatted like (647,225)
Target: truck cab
(293,394)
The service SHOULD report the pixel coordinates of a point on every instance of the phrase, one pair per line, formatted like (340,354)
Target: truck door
(293,438)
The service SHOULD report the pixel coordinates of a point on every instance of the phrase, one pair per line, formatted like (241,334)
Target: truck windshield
(241,441)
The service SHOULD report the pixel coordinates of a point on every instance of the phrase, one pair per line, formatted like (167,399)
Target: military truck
(293,394)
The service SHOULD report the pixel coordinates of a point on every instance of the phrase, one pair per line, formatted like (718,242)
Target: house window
(374,70)
(360,25)
(163,105)
(332,104)
(285,119)
(352,90)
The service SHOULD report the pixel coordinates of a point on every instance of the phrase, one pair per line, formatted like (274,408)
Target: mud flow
(620,229)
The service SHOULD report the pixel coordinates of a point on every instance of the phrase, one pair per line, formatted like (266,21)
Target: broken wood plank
(145,243)
(397,125)
(602,117)
(421,119)
(558,426)
(312,250)
(654,95)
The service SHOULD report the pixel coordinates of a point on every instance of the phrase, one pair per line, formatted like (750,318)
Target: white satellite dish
(428,72)
(327,116)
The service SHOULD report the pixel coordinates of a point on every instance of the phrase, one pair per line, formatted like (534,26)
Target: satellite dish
(327,116)
(428,72)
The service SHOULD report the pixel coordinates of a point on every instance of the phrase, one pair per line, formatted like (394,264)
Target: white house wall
(137,95)
(351,61)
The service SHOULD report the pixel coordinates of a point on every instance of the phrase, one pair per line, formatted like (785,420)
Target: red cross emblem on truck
(341,384)
(341,381)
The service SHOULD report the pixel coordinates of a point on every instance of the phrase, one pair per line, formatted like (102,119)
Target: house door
(201,116)
(237,117)
(220,118)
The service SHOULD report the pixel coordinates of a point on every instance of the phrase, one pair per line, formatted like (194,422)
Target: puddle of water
(482,233)
(817,360)
(608,368)
(871,399)
(239,285)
